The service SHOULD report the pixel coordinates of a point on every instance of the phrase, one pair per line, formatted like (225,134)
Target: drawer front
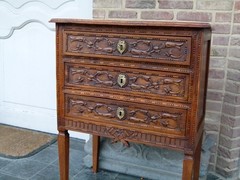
(145,83)
(171,50)
(153,118)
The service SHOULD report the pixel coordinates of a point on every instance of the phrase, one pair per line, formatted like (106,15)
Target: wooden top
(132,23)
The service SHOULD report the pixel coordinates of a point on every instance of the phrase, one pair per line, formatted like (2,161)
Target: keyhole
(121,47)
(120,113)
(121,81)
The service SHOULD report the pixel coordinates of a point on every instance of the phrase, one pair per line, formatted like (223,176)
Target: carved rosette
(163,84)
(167,48)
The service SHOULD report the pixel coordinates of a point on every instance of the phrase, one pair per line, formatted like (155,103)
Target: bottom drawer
(135,116)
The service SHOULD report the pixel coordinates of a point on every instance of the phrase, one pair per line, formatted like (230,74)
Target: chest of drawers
(143,82)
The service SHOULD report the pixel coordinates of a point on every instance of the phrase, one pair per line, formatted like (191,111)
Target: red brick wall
(223,100)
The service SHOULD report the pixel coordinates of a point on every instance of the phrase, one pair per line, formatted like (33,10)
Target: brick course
(156,15)
(237,18)
(232,86)
(141,4)
(175,4)
(221,28)
(230,132)
(123,14)
(236,29)
(232,98)
(230,121)
(237,5)
(194,16)
(107,4)
(214,5)
(230,143)
(219,51)
(223,17)
(235,41)
(218,62)
(233,75)
(216,73)
(233,64)
(220,40)
(215,84)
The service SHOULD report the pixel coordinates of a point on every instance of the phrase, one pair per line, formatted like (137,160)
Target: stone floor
(44,166)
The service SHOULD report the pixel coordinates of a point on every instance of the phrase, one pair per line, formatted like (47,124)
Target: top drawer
(158,49)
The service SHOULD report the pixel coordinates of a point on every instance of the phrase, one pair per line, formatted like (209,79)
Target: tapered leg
(95,150)
(197,159)
(63,153)
(187,167)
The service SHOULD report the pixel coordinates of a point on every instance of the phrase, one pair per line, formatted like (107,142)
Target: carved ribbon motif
(136,48)
(169,49)
(157,119)
(121,135)
(96,77)
(98,108)
(163,85)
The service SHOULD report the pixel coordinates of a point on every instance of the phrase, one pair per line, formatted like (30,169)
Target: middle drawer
(154,84)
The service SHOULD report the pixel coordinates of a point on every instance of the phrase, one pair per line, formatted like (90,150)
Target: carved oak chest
(143,82)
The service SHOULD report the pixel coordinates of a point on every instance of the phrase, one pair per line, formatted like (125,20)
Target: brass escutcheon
(121,113)
(122,80)
(121,46)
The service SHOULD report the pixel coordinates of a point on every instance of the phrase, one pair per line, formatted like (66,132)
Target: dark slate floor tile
(4,162)
(75,159)
(213,177)
(127,177)
(75,162)
(7,177)
(87,174)
(23,168)
(49,173)
(77,144)
(47,155)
